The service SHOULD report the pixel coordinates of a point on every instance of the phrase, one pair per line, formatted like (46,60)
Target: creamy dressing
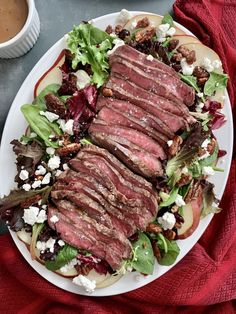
(13,15)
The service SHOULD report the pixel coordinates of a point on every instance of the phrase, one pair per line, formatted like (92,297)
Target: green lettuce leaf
(209,200)
(89,45)
(171,198)
(40,125)
(191,81)
(216,81)
(167,18)
(169,250)
(65,255)
(144,259)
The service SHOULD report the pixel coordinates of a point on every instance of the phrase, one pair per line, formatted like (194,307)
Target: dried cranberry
(124,33)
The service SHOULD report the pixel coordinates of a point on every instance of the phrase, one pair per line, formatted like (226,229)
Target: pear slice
(186,39)
(191,215)
(51,76)
(24,236)
(155,20)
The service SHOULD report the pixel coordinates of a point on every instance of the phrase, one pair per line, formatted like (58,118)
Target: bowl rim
(21,33)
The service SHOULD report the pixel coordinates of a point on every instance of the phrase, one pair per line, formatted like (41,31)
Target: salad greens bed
(88,54)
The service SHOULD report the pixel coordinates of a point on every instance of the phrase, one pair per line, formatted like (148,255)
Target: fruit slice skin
(155,20)
(52,75)
(186,39)
(191,214)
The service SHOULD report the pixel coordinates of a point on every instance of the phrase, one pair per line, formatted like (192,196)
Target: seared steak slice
(139,139)
(139,161)
(84,233)
(131,54)
(127,91)
(173,84)
(130,109)
(114,117)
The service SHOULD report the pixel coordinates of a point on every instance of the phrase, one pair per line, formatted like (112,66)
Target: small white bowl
(26,38)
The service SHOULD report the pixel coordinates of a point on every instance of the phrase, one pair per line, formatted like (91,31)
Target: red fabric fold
(205,280)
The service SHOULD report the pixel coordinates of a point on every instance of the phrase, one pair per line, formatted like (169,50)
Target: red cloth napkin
(205,280)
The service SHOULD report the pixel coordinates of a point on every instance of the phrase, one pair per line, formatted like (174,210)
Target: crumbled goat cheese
(61,242)
(187,69)
(118,43)
(24,175)
(36,184)
(89,285)
(40,202)
(44,206)
(46,178)
(54,162)
(216,64)
(171,31)
(205,143)
(200,95)
(169,143)
(32,215)
(58,172)
(50,150)
(208,171)
(207,154)
(167,221)
(54,219)
(184,170)
(60,142)
(123,17)
(67,127)
(206,63)
(40,171)
(199,106)
(49,115)
(179,200)
(69,265)
(33,135)
(65,167)
(164,27)
(26,187)
(42,216)
(150,58)
(43,246)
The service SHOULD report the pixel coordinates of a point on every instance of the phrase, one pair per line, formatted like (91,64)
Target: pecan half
(170,234)
(156,250)
(55,105)
(201,81)
(107,92)
(173,44)
(153,228)
(143,23)
(118,29)
(200,72)
(72,148)
(175,146)
(191,57)
(183,50)
(185,179)
(109,29)
(145,34)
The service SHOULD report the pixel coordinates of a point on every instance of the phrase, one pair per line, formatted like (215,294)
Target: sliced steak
(114,117)
(130,53)
(139,139)
(139,161)
(84,233)
(173,84)
(135,111)
(127,91)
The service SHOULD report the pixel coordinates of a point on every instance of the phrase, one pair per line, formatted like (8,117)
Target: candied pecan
(145,34)
(107,92)
(118,29)
(179,218)
(178,225)
(193,192)
(183,50)
(177,57)
(191,57)
(185,179)
(173,43)
(72,148)
(83,270)
(200,72)
(175,146)
(30,201)
(176,66)
(170,234)
(156,250)
(143,23)
(211,146)
(153,228)
(202,80)
(55,105)
(109,29)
